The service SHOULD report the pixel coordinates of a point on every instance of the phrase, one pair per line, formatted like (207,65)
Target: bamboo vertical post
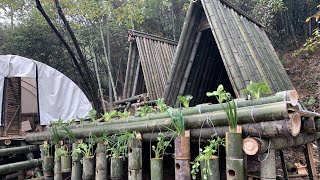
(283,164)
(213,166)
(268,165)
(57,165)
(101,162)
(135,159)
(234,155)
(156,169)
(116,172)
(76,165)
(182,157)
(47,164)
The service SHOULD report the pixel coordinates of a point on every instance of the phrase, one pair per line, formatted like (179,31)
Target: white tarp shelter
(58,97)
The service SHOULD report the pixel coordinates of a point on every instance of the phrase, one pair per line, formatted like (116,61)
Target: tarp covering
(59,97)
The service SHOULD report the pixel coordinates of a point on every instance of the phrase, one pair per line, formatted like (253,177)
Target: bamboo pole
(18,150)
(268,165)
(116,172)
(234,155)
(213,166)
(259,145)
(269,112)
(88,168)
(308,125)
(101,162)
(57,165)
(76,165)
(156,169)
(13,167)
(182,157)
(135,159)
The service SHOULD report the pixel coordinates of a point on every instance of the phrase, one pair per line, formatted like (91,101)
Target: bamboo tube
(234,155)
(101,162)
(66,164)
(18,150)
(12,176)
(30,156)
(76,165)
(116,172)
(156,169)
(261,145)
(88,168)
(268,165)
(135,159)
(48,165)
(57,165)
(290,96)
(308,125)
(246,115)
(126,83)
(182,157)
(213,166)
(13,167)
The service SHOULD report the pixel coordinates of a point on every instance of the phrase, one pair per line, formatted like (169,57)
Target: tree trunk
(101,162)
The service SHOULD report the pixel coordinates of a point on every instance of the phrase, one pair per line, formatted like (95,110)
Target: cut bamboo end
(291,96)
(296,124)
(250,146)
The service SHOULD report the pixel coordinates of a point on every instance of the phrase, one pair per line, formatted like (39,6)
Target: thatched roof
(220,44)
(149,62)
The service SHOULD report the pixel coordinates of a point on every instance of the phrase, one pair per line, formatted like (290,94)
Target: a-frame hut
(149,62)
(220,44)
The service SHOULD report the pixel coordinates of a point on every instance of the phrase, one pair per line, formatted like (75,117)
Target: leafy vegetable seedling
(185,100)
(257,89)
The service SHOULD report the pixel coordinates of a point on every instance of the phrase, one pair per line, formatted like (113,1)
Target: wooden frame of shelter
(220,44)
(149,63)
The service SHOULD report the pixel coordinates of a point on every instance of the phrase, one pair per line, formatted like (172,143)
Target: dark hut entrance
(207,71)
(20,106)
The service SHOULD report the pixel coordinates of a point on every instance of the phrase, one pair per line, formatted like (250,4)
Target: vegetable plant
(230,107)
(124,114)
(185,100)
(62,151)
(118,144)
(46,149)
(144,110)
(109,115)
(86,149)
(205,156)
(161,147)
(178,122)
(161,105)
(257,89)
(93,115)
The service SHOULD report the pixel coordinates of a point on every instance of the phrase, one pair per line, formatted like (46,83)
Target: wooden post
(182,157)
(101,162)
(76,165)
(268,165)
(284,165)
(312,172)
(234,155)
(135,159)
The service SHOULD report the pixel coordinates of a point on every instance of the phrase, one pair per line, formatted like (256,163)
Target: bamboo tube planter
(156,168)
(116,172)
(88,168)
(14,167)
(182,157)
(268,165)
(135,159)
(76,165)
(66,164)
(101,162)
(234,155)
(47,164)
(213,165)
(57,165)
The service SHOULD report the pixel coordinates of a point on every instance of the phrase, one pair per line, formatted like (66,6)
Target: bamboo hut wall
(247,53)
(150,59)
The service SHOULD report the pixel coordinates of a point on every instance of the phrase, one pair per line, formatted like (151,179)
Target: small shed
(33,93)
(221,44)
(149,63)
